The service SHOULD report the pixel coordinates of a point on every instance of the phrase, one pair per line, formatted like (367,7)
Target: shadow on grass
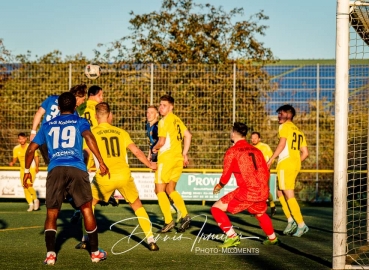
(67,230)
(3,224)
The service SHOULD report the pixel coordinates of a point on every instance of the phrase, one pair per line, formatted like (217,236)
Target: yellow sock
(178,201)
(271,202)
(295,210)
(285,208)
(28,196)
(165,206)
(144,221)
(33,193)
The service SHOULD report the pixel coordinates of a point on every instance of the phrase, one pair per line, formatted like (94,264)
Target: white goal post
(350,219)
(340,153)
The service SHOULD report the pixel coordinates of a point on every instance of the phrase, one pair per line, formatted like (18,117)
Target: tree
(180,32)
(5,54)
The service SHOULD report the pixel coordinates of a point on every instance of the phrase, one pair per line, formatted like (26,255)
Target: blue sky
(297,29)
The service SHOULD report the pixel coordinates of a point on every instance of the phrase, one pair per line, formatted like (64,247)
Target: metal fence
(207,98)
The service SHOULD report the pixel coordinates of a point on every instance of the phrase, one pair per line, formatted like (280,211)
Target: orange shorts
(235,206)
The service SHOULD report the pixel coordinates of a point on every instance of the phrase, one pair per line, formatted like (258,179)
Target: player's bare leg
(91,229)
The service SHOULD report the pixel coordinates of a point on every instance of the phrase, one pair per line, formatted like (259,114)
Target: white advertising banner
(191,186)
(11,185)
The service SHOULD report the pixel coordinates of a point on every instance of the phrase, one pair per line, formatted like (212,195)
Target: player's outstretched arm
(36,121)
(141,156)
(30,154)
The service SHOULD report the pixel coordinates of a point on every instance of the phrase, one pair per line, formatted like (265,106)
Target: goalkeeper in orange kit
(248,166)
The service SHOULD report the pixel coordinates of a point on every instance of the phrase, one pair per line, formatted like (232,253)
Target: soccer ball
(92,71)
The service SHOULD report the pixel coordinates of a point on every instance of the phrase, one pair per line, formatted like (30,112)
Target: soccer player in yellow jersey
(291,151)
(87,110)
(171,160)
(19,152)
(267,153)
(112,143)
(94,97)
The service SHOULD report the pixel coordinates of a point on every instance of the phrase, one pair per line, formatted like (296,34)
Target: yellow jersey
(90,112)
(265,149)
(113,143)
(20,153)
(295,140)
(172,128)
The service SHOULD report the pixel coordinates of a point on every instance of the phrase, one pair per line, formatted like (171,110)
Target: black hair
(287,108)
(257,133)
(168,98)
(67,102)
(240,128)
(93,90)
(22,134)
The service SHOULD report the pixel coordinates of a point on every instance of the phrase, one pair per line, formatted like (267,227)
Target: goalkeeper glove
(217,188)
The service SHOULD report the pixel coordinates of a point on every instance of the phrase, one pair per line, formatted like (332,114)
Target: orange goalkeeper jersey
(248,166)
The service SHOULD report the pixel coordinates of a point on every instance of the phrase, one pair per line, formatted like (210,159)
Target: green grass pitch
(22,243)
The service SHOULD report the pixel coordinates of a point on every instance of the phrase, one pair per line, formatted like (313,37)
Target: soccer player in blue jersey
(67,172)
(152,116)
(49,109)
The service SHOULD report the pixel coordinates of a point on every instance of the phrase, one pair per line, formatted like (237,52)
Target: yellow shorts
(103,187)
(286,179)
(168,170)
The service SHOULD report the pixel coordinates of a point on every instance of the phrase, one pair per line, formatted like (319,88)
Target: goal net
(350,224)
